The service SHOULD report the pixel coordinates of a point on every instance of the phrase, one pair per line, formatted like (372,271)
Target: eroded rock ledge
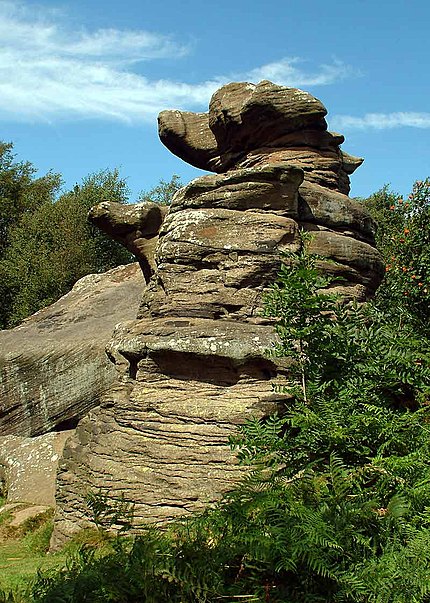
(194,364)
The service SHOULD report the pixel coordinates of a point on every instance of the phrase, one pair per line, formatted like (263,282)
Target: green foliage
(163,192)
(340,482)
(306,318)
(334,505)
(108,512)
(21,193)
(55,245)
(403,238)
(37,539)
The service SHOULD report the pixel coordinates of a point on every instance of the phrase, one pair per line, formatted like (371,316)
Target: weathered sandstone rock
(134,226)
(250,125)
(194,364)
(246,116)
(160,436)
(53,367)
(29,467)
(188,135)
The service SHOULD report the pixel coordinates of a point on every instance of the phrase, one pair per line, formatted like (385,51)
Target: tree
(163,192)
(21,193)
(55,245)
(403,238)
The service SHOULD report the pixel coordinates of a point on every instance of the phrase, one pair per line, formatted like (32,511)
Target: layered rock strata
(194,364)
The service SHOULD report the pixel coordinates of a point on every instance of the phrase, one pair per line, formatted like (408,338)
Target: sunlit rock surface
(53,367)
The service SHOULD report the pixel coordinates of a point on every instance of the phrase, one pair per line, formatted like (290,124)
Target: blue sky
(82,82)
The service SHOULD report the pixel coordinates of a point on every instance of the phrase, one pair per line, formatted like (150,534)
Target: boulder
(195,364)
(29,467)
(53,367)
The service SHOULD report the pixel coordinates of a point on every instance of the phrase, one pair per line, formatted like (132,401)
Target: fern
(334,505)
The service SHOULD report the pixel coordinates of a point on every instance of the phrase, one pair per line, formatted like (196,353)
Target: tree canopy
(47,242)
(403,238)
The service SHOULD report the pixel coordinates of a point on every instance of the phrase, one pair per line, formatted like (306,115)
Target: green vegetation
(20,195)
(46,241)
(403,238)
(23,552)
(55,245)
(20,192)
(335,504)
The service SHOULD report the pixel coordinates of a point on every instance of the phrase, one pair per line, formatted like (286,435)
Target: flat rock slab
(53,367)
(30,467)
(22,515)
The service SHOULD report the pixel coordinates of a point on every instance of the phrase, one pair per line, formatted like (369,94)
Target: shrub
(403,238)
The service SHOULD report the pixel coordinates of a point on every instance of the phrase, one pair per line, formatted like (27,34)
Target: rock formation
(134,226)
(194,364)
(28,467)
(53,367)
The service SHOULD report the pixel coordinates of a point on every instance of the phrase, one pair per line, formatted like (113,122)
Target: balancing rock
(193,365)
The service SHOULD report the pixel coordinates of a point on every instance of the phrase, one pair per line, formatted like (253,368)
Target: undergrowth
(335,506)
(22,552)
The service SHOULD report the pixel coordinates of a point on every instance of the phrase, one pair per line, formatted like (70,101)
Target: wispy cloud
(48,71)
(36,32)
(381,121)
(287,72)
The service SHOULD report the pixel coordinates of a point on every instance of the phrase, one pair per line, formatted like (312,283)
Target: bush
(403,238)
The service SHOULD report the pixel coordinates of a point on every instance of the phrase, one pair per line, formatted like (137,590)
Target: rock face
(53,367)
(194,363)
(249,125)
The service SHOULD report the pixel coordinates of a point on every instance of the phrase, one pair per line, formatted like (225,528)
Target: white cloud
(287,73)
(32,34)
(381,121)
(49,72)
